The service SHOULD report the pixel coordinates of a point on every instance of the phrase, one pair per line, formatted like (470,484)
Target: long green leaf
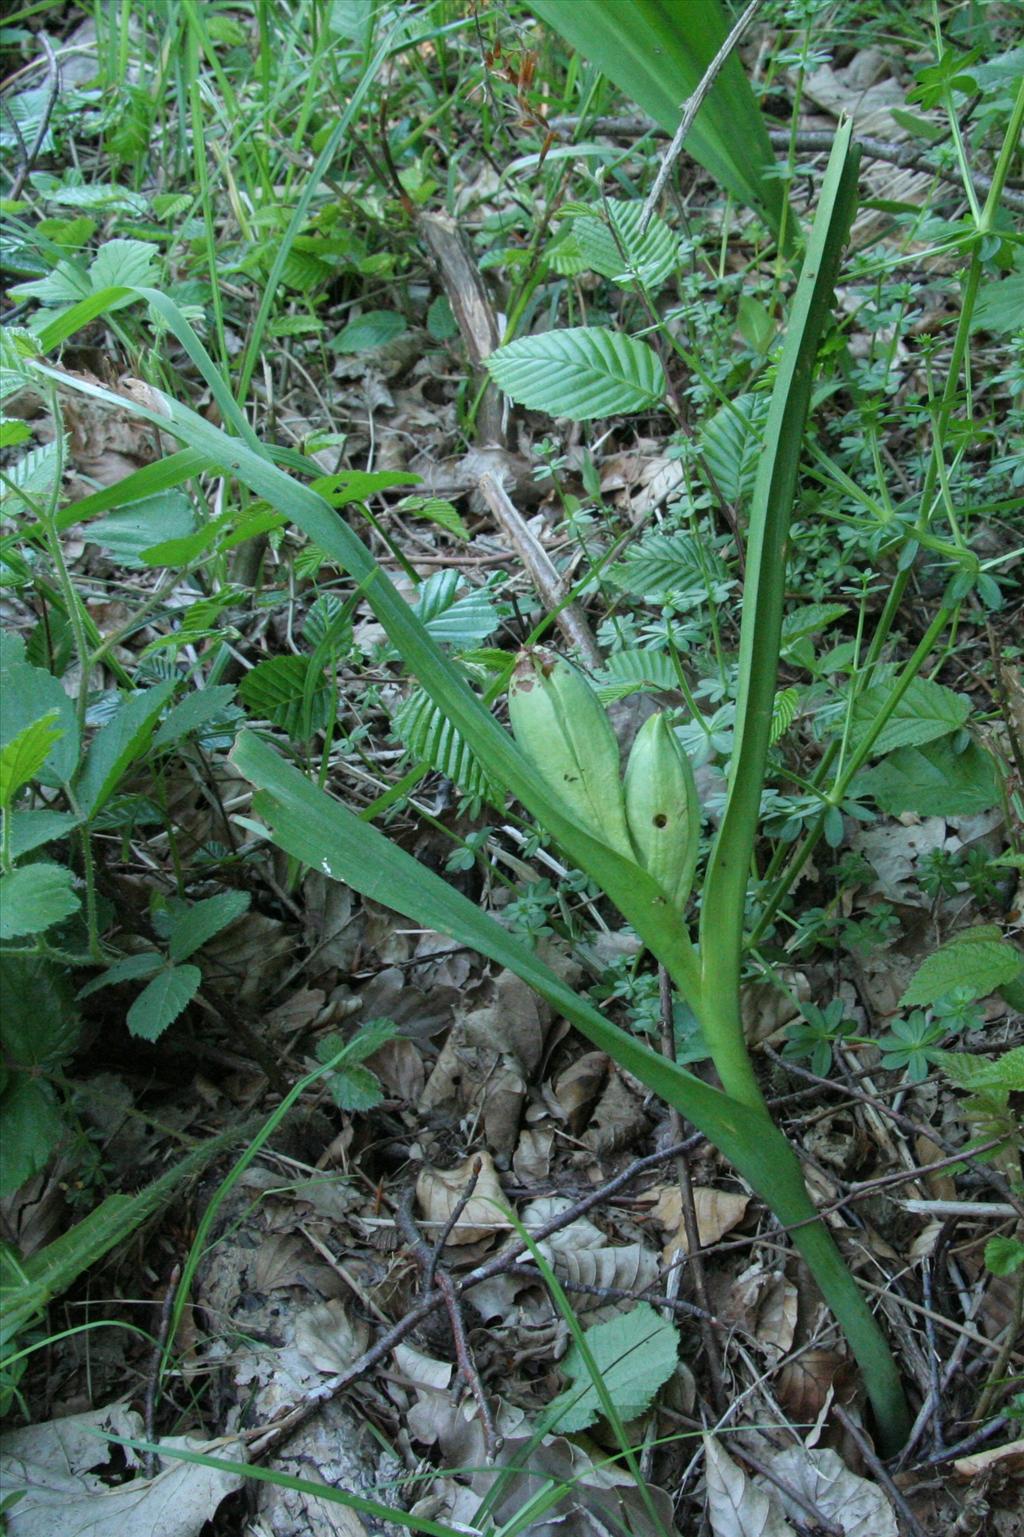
(656,52)
(324,834)
(721,930)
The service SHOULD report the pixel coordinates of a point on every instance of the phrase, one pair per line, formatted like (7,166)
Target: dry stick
(900,155)
(53,83)
(149,1458)
(995,1179)
(266,1437)
(539,567)
(691,107)
(999,1365)
(689,1211)
(878,1468)
(467,295)
(426,1259)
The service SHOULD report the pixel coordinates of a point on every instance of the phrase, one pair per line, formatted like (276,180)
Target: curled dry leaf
(803,1386)
(857,1506)
(328,1338)
(764,1303)
(1008,1459)
(439,1191)
(736,1506)
(618,1118)
(576,1090)
(718,1212)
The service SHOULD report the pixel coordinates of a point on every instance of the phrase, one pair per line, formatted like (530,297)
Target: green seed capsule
(662,809)
(561,725)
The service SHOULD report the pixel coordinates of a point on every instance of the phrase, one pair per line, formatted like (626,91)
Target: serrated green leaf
(610,243)
(457,622)
(31,829)
(787,702)
(130,968)
(1004,1256)
(121,263)
(926,711)
(979,960)
(731,443)
(27,693)
(205,919)
(32,1129)
(634,672)
(192,713)
(374,329)
(676,568)
(810,619)
(118,744)
(582,372)
(1005,1073)
(23,756)
(436,510)
(159,1004)
(275,690)
(933,780)
(635,1353)
(431,738)
(154,521)
(30,480)
(34,898)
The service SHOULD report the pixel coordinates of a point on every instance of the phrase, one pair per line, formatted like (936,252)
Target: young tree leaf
(979,960)
(275,690)
(34,898)
(933,780)
(205,919)
(635,1353)
(582,372)
(159,1005)
(927,710)
(610,243)
(117,744)
(193,712)
(24,755)
(129,533)
(131,968)
(373,329)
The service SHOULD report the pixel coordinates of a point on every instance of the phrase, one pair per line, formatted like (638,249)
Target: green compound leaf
(979,960)
(34,898)
(634,1353)
(582,372)
(158,1005)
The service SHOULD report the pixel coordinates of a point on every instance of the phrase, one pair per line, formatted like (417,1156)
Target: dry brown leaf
(438,1192)
(940,1182)
(617,1120)
(766,1304)
(329,1338)
(736,1506)
(576,1090)
(803,1386)
(532,1158)
(857,1506)
(717,1211)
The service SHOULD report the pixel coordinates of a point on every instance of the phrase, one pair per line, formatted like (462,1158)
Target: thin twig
(426,1258)
(878,1468)
(903,156)
(149,1458)
(691,107)
(53,83)
(442,1238)
(541,570)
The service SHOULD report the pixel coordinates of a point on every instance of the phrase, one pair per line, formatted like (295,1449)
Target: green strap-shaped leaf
(656,52)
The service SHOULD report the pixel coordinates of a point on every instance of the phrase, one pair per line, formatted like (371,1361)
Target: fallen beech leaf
(736,1506)
(802,1387)
(859,1507)
(718,1212)
(328,1338)
(439,1191)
